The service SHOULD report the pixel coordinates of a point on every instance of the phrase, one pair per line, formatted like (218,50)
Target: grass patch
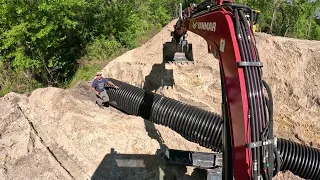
(98,54)
(145,37)
(84,73)
(88,66)
(18,82)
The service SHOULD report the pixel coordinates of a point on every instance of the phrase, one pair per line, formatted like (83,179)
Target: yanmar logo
(206,26)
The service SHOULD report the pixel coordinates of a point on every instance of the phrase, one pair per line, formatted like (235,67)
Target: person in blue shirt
(98,86)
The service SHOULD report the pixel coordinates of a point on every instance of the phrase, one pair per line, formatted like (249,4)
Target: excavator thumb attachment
(177,52)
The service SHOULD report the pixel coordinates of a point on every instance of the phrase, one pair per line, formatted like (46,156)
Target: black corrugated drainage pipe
(204,127)
(193,123)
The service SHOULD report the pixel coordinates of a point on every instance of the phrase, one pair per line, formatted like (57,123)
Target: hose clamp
(260,143)
(250,64)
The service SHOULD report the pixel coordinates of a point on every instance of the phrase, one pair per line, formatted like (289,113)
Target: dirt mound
(22,154)
(292,69)
(62,134)
(69,137)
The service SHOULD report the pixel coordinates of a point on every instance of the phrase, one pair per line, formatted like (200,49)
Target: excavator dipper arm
(227,28)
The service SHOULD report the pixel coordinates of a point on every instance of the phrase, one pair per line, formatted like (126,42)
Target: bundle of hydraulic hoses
(261,120)
(204,127)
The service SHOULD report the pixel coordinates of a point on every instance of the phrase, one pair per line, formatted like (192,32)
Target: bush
(102,48)
(15,81)
(84,73)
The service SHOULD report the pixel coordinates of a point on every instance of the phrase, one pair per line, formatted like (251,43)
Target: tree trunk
(273,19)
(309,29)
(285,34)
(296,29)
(280,32)
(274,15)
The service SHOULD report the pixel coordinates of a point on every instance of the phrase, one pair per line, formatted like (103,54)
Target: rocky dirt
(61,134)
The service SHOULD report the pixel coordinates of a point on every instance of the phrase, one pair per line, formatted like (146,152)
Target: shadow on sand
(117,166)
(159,77)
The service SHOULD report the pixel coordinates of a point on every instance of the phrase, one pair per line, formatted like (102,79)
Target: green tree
(44,40)
(290,18)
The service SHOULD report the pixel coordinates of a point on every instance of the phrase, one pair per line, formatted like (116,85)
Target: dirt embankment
(62,134)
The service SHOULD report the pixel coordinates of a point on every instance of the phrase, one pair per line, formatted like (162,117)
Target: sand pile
(63,134)
(292,68)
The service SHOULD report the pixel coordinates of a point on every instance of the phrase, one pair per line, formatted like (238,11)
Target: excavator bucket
(177,53)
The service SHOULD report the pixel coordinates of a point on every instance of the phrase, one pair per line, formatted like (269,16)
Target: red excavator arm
(227,28)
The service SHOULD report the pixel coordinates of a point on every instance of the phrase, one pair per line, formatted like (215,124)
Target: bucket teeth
(178,64)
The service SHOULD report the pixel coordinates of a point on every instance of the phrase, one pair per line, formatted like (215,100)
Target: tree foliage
(289,18)
(42,40)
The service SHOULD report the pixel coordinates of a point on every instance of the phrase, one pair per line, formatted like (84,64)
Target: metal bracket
(249,64)
(211,162)
(261,143)
(197,159)
(214,174)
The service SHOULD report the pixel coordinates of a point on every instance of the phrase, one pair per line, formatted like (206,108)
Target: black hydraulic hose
(251,104)
(263,161)
(259,104)
(269,101)
(257,83)
(204,127)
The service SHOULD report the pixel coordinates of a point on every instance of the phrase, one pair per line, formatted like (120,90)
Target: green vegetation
(61,42)
(288,18)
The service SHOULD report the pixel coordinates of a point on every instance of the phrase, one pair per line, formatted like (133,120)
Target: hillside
(61,133)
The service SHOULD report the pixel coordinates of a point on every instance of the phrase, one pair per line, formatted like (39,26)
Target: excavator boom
(227,28)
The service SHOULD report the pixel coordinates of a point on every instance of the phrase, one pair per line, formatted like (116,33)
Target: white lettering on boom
(206,26)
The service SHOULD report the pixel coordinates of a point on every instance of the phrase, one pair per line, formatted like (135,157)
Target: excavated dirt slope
(62,134)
